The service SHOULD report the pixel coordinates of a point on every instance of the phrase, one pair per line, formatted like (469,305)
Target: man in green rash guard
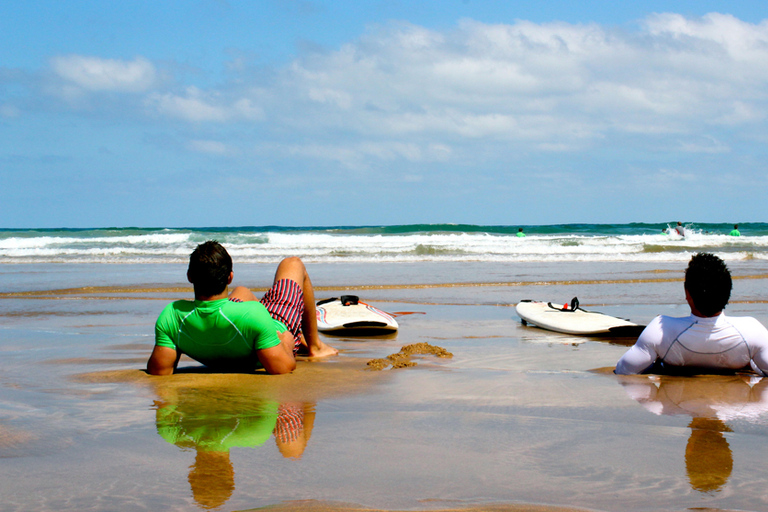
(236,331)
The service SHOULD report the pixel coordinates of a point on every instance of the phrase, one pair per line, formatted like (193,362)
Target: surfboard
(571,319)
(348,315)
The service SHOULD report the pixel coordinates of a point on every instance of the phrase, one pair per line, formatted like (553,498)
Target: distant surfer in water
(237,331)
(679,229)
(706,340)
(520,233)
(735,231)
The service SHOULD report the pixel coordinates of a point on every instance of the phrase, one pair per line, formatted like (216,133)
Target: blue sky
(230,113)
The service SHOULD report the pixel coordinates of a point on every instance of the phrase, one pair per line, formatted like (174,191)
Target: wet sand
(517,419)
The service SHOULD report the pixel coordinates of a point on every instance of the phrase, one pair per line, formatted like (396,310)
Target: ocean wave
(596,243)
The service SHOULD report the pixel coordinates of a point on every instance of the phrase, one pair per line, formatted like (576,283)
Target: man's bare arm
(278,359)
(163,361)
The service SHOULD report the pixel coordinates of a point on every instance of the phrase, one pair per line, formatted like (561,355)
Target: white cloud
(199,106)
(547,87)
(742,41)
(96,74)
(194,106)
(558,84)
(341,99)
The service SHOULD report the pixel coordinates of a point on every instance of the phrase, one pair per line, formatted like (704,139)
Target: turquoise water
(636,242)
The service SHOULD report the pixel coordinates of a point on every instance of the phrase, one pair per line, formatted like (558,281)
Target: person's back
(707,339)
(714,343)
(219,333)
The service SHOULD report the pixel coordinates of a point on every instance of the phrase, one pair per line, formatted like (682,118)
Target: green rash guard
(218,333)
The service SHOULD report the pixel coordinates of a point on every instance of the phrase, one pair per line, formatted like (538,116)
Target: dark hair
(708,282)
(209,268)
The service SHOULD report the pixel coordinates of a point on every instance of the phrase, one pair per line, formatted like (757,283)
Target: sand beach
(516,419)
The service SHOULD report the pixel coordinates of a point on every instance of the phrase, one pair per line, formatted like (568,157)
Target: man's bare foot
(320,349)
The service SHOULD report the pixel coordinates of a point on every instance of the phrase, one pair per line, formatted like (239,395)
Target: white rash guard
(715,342)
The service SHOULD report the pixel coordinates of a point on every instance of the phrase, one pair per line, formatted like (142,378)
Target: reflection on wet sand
(211,413)
(711,401)
(11,439)
(213,423)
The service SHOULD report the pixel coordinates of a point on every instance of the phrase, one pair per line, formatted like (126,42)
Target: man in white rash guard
(705,341)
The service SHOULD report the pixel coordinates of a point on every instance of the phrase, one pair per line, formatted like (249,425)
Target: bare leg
(242,293)
(293,268)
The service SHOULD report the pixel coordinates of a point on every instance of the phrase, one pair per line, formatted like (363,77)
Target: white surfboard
(348,315)
(571,319)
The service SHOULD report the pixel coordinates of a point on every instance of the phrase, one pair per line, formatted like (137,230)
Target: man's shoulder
(746,322)
(179,305)
(172,312)
(663,326)
(667,321)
